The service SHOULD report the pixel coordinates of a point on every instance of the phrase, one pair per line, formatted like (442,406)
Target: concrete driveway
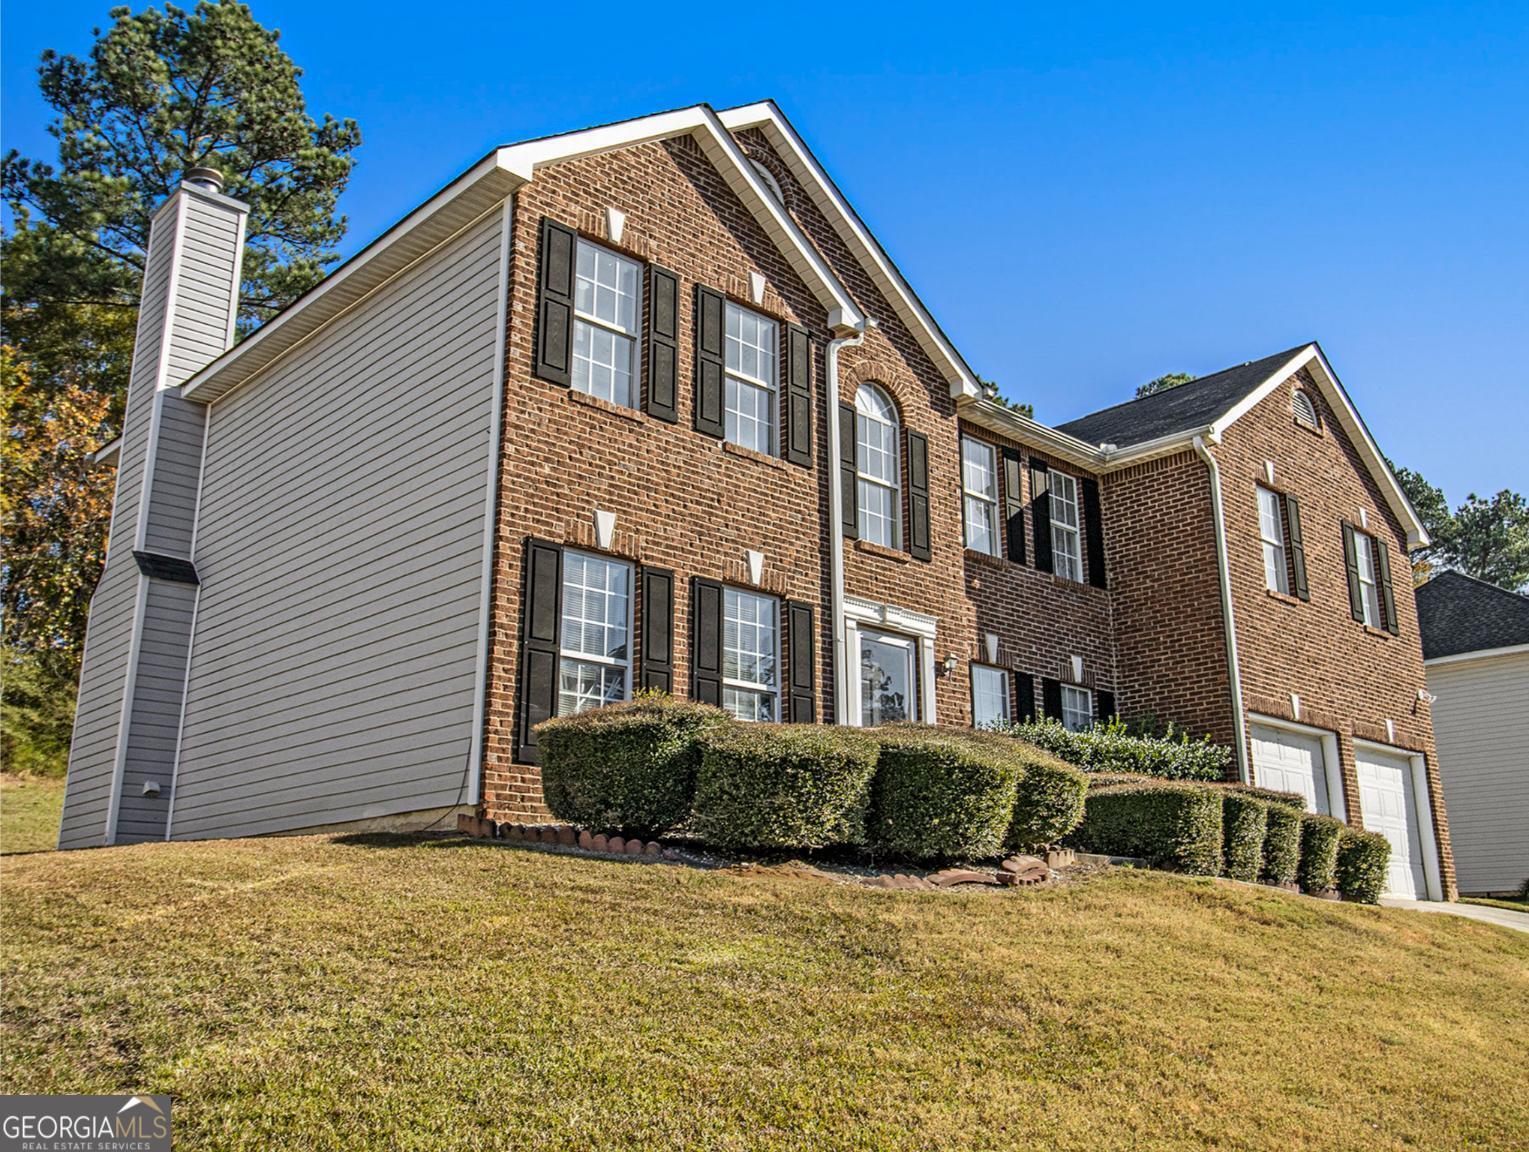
(1502,916)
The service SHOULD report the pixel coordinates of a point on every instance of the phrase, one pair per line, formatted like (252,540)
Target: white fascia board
(873,258)
(461,202)
(1478,654)
(1015,426)
(723,151)
(106,453)
(1327,380)
(1117,458)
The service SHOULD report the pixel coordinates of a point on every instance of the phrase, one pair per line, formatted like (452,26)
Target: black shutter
(1024,698)
(663,344)
(849,488)
(918,495)
(1051,699)
(1351,561)
(1383,578)
(798,396)
(801,704)
(706,641)
(541,610)
(657,630)
(1297,548)
(1104,706)
(1093,532)
(554,303)
(1013,507)
(1040,514)
(710,313)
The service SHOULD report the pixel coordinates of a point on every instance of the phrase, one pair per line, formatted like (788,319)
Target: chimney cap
(205,177)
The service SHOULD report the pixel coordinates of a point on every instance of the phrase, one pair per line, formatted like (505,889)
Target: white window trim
(1369,580)
(1282,568)
(1088,694)
(896,486)
(1423,811)
(770,387)
(635,336)
(759,689)
(1332,766)
(981,497)
(1007,694)
(889,618)
(1074,551)
(590,658)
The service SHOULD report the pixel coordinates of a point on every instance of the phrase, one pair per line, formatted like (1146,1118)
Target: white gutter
(1224,571)
(836,516)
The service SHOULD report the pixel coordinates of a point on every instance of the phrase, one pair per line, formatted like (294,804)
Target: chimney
(122,761)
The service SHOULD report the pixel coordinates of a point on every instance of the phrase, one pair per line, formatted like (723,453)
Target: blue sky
(1085,198)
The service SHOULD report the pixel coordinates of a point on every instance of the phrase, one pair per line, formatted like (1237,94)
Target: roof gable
(1459,614)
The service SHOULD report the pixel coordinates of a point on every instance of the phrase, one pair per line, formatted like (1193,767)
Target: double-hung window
(1369,583)
(750,656)
(1077,708)
(979,490)
(1271,529)
(750,401)
(1066,542)
(879,502)
(607,309)
(990,696)
(595,645)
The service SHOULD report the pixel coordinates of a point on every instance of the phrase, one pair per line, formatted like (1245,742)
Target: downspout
(836,518)
(1224,571)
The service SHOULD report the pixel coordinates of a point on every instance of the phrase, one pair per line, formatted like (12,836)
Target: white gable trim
(723,151)
(1326,379)
(783,137)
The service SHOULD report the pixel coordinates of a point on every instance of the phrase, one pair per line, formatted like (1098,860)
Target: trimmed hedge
(1319,852)
(1363,858)
(940,794)
(1169,824)
(628,767)
(1282,845)
(1048,803)
(783,785)
(1112,748)
(1287,799)
(1244,823)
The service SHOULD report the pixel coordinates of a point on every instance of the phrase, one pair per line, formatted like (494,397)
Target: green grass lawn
(399,993)
(1511,903)
(29,809)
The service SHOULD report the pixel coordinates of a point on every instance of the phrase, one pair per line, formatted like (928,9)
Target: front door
(888,677)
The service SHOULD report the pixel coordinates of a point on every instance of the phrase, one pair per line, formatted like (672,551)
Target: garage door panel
(1290,761)
(1388,805)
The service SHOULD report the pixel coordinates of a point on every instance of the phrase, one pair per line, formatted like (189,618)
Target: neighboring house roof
(1459,614)
(106,453)
(1189,407)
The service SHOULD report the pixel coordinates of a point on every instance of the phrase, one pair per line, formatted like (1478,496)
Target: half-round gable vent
(1305,411)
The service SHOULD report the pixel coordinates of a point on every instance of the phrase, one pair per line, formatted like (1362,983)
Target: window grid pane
(990,696)
(1077,708)
(749,354)
(879,501)
(1369,588)
(593,634)
(1066,540)
(1271,528)
(607,308)
(979,483)
(749,655)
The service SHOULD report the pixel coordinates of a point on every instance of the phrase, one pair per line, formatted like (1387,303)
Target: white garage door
(1290,761)
(1388,805)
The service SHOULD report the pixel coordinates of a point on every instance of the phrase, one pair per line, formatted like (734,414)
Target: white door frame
(918,626)
(1332,766)
(1422,805)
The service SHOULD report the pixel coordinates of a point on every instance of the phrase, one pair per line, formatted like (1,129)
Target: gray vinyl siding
(340,546)
(98,714)
(1481,730)
(154,721)
(177,469)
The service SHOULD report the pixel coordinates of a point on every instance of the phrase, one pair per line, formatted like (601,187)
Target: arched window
(1305,411)
(878,503)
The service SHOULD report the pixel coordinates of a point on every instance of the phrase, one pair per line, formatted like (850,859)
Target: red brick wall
(1351,679)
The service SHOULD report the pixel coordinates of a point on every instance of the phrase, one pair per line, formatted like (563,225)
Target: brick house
(646,405)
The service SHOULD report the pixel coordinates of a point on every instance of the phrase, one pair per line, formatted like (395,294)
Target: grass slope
(29,811)
(397,993)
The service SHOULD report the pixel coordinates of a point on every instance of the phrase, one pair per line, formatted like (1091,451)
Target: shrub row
(1230,830)
(1113,748)
(912,791)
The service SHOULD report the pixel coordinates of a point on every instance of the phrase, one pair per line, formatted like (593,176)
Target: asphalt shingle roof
(1189,406)
(1458,613)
